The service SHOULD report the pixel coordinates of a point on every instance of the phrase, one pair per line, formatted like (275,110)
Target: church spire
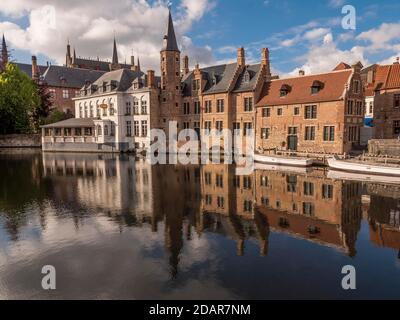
(115,53)
(4,52)
(170,43)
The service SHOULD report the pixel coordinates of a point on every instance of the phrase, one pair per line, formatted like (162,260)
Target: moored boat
(283,160)
(342,175)
(364,167)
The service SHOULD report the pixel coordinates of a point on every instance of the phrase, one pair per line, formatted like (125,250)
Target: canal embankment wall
(387,147)
(20,141)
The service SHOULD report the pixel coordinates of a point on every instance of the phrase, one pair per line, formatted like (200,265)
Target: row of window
(309,133)
(143,125)
(355,108)
(247,204)
(142,106)
(310,112)
(67,132)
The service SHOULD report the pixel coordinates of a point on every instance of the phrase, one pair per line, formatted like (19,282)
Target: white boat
(284,161)
(362,177)
(271,167)
(364,167)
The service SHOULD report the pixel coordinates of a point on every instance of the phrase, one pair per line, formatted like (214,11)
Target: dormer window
(285,89)
(316,87)
(246,77)
(214,80)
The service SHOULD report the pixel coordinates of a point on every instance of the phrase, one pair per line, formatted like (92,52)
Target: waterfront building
(113,114)
(217,97)
(319,113)
(387,101)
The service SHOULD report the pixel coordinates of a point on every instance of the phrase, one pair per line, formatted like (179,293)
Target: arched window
(99,131)
(106,130)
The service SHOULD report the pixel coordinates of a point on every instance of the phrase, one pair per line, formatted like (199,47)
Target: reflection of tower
(176,196)
(351,214)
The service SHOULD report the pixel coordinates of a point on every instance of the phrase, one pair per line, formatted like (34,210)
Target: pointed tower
(138,64)
(68,58)
(4,54)
(114,63)
(170,75)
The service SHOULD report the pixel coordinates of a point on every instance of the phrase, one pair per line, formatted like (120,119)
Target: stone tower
(170,75)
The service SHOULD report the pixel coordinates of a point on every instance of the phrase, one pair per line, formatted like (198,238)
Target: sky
(306,34)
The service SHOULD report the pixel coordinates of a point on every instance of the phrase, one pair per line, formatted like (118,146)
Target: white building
(121,108)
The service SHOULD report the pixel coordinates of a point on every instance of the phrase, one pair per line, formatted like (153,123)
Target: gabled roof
(334,84)
(58,76)
(387,77)
(123,78)
(223,74)
(342,66)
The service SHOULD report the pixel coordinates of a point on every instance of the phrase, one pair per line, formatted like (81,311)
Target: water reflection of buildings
(210,198)
(308,206)
(384,216)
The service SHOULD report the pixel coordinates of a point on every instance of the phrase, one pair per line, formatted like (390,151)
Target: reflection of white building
(110,183)
(115,113)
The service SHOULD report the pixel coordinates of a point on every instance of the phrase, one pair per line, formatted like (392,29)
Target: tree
(18,98)
(43,110)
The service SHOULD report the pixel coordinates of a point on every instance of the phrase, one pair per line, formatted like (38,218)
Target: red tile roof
(342,66)
(388,77)
(334,84)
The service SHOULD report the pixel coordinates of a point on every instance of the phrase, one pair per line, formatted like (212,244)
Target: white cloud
(326,56)
(139,27)
(381,37)
(336,3)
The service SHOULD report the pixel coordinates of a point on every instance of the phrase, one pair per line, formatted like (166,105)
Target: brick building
(217,97)
(312,113)
(387,102)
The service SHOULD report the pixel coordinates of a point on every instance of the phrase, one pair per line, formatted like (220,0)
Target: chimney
(397,61)
(241,59)
(185,65)
(35,73)
(302,73)
(150,79)
(265,60)
(132,61)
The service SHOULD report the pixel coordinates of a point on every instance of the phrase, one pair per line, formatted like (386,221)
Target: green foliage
(18,99)
(56,116)
(43,110)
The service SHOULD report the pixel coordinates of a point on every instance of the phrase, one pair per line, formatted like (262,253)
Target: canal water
(115,227)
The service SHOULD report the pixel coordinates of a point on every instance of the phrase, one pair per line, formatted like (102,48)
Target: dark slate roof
(92,64)
(27,68)
(74,78)
(123,78)
(72,123)
(223,75)
(253,72)
(97,64)
(170,43)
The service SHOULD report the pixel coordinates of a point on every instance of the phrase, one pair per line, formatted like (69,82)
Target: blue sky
(300,34)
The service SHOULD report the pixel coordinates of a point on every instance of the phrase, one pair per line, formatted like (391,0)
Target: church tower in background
(170,76)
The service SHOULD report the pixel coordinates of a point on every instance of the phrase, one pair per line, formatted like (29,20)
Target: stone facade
(20,141)
(390,147)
